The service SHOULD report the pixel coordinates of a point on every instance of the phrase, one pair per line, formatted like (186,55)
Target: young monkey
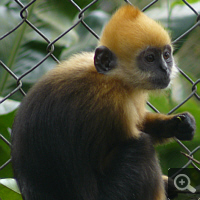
(83,132)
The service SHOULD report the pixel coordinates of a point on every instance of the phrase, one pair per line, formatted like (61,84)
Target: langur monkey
(83,132)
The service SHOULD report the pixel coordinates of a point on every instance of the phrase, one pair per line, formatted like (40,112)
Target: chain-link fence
(50,48)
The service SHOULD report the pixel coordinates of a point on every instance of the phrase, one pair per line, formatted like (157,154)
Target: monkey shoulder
(76,83)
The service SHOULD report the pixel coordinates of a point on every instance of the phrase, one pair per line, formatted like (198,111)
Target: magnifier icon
(182,182)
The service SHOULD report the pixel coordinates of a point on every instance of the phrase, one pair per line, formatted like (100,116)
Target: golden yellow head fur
(130,30)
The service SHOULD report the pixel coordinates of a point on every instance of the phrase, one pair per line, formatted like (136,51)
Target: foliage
(24,48)
(9,189)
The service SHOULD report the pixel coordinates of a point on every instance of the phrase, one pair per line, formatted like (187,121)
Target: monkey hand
(184,126)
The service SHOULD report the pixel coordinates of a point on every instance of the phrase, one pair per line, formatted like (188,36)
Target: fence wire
(193,84)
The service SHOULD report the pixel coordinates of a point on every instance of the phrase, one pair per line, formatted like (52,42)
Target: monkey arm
(161,127)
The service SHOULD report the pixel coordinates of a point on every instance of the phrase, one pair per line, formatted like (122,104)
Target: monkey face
(156,65)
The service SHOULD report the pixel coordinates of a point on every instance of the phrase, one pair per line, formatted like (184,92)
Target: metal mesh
(50,53)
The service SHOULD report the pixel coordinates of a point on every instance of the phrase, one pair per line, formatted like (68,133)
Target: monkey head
(136,49)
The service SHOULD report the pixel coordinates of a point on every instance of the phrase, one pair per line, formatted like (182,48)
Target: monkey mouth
(160,82)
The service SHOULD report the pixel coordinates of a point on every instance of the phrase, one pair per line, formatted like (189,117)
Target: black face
(157,64)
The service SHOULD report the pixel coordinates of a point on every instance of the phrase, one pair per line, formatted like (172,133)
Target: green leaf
(6,193)
(25,48)
(11,184)
(177,2)
(8,106)
(7,113)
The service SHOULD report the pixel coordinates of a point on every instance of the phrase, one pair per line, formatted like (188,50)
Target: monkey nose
(164,67)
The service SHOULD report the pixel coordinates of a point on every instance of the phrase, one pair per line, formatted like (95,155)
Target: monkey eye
(166,55)
(150,58)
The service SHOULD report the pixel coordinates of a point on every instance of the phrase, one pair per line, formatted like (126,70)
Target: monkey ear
(104,59)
